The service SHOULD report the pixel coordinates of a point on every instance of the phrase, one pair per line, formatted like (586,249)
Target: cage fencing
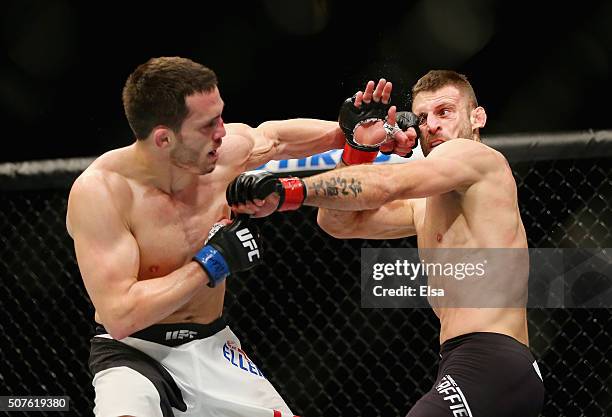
(299,314)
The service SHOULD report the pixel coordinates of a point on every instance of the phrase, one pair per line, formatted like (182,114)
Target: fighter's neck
(156,170)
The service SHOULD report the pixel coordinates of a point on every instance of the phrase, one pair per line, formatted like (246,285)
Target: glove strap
(211,260)
(352,156)
(295,193)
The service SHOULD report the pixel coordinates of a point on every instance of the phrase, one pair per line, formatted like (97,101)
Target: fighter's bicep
(107,252)
(391,221)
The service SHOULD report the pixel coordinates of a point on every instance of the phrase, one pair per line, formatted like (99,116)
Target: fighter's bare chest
(440,221)
(169,231)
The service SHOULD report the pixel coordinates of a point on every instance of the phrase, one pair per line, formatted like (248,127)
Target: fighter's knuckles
(386,147)
(402,151)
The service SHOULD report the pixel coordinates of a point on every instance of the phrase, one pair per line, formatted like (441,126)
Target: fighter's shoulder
(239,134)
(237,145)
(461,145)
(103,178)
(241,129)
(472,152)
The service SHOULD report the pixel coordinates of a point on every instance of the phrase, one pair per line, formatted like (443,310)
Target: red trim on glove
(294,193)
(352,156)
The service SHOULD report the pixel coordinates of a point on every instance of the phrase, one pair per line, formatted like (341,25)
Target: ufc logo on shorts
(248,242)
(180,334)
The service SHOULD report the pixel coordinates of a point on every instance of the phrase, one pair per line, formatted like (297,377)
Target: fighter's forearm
(297,138)
(333,219)
(150,301)
(349,189)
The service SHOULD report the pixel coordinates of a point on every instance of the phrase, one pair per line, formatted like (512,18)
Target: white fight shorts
(180,370)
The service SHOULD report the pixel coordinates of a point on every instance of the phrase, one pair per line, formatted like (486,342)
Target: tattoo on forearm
(338,187)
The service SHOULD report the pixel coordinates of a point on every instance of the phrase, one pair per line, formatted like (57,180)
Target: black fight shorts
(484,375)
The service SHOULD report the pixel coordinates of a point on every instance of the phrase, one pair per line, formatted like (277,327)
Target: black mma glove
(349,119)
(231,248)
(249,186)
(404,121)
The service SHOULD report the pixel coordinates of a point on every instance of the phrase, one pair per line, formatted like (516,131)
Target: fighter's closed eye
(212,123)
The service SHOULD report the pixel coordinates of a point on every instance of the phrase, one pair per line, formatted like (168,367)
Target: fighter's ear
(162,136)
(478,117)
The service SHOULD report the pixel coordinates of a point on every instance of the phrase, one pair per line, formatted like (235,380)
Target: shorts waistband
(175,334)
(482,339)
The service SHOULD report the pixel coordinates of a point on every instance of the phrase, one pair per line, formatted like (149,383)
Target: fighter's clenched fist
(262,193)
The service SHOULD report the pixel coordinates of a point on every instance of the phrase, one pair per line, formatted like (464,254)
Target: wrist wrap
(294,194)
(353,156)
(213,263)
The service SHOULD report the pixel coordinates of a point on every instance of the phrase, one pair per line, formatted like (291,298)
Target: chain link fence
(299,315)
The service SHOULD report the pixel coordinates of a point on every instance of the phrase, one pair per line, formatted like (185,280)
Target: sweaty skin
(462,195)
(476,209)
(138,214)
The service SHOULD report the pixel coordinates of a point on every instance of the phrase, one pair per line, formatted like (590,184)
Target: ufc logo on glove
(247,240)
(230,248)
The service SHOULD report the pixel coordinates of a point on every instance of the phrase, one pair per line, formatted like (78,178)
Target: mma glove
(404,120)
(230,248)
(351,117)
(259,185)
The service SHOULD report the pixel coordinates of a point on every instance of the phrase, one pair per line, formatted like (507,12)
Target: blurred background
(63,63)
